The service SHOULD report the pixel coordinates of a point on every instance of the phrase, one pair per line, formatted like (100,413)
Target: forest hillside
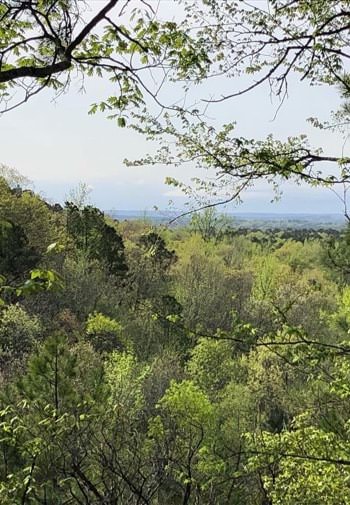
(197,361)
(153,365)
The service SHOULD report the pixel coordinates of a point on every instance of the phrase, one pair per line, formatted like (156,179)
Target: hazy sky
(57,144)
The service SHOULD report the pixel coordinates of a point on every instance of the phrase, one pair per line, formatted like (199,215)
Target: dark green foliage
(155,249)
(19,334)
(16,256)
(95,238)
(337,254)
(47,422)
(104,333)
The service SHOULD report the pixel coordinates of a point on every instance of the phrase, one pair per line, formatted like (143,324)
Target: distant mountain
(262,220)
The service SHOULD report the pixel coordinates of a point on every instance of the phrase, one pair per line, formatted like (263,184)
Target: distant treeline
(274,234)
(253,221)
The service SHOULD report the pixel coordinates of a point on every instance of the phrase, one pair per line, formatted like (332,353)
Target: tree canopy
(48,43)
(143,365)
(203,364)
(251,45)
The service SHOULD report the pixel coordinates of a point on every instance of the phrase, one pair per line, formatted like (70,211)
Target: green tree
(154,247)
(16,256)
(209,224)
(26,210)
(88,287)
(202,280)
(47,420)
(267,44)
(45,43)
(212,365)
(182,431)
(336,254)
(104,333)
(19,335)
(96,239)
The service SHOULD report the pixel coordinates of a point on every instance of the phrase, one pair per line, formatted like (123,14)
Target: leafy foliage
(45,43)
(95,238)
(198,365)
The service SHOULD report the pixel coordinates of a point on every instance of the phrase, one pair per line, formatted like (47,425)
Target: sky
(56,144)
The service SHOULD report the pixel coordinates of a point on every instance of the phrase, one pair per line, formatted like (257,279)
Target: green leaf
(121,122)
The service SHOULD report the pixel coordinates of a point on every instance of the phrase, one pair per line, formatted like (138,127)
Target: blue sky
(57,144)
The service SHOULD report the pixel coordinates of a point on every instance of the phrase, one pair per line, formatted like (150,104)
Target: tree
(265,42)
(80,195)
(209,224)
(271,40)
(336,254)
(13,178)
(52,410)
(182,431)
(154,247)
(19,333)
(88,287)
(45,43)
(25,210)
(248,415)
(16,257)
(104,333)
(22,213)
(314,448)
(96,239)
(202,281)
(211,365)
